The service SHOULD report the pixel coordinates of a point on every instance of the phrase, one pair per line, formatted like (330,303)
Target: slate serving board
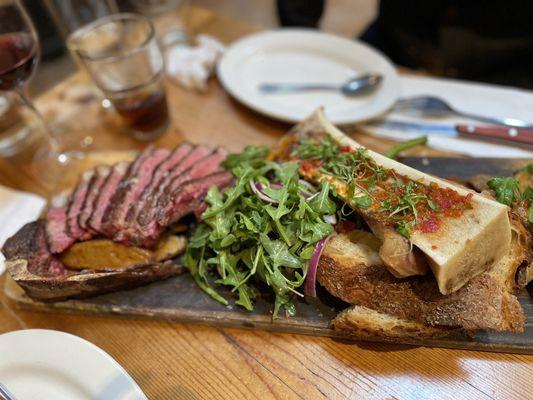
(178,299)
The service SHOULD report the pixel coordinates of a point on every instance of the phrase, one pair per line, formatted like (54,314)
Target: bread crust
(359,322)
(485,302)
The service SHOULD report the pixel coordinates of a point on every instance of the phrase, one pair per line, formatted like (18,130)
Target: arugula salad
(268,229)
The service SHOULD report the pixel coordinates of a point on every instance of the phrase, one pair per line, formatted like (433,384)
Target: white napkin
(482,99)
(16,209)
(191,67)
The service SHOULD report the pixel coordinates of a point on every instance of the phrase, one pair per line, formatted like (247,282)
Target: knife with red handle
(519,136)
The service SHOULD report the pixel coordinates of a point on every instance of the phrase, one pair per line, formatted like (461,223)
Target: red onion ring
(310,279)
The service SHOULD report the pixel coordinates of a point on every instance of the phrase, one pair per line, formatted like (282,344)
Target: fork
(436,107)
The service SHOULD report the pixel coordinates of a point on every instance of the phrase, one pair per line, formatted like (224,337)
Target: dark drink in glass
(144,109)
(122,56)
(17,59)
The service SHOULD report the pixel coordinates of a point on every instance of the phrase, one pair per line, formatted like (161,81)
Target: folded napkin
(483,99)
(191,66)
(16,209)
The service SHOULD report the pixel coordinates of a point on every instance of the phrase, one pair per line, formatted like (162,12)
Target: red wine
(17,59)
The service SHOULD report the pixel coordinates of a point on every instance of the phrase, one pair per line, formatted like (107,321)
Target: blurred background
(344,17)
(493,43)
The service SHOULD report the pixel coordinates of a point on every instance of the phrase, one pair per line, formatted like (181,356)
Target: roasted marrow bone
(462,247)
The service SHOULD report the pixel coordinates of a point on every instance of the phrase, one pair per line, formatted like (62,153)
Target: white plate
(45,364)
(301,55)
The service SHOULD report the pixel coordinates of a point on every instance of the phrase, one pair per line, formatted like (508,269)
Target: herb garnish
(509,191)
(380,193)
(243,240)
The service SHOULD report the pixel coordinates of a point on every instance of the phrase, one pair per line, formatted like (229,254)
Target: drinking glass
(19,54)
(122,56)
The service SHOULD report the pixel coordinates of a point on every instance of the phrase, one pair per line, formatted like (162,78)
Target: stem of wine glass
(61,157)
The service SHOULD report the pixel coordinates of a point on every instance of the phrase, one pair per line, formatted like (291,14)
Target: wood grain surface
(182,361)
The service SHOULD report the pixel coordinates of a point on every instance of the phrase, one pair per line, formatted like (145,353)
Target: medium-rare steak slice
(121,188)
(98,180)
(57,236)
(44,277)
(146,221)
(129,190)
(77,199)
(106,193)
(190,196)
(206,166)
(149,209)
(162,171)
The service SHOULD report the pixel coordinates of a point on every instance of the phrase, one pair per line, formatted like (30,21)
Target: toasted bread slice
(463,247)
(350,268)
(359,322)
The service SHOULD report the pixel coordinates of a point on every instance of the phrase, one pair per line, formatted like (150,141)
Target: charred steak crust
(43,276)
(78,286)
(29,244)
(98,180)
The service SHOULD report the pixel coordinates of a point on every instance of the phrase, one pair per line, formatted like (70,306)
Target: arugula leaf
(323,202)
(507,189)
(279,253)
(242,240)
(251,155)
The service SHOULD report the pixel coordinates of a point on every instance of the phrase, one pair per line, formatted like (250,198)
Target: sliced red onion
(260,194)
(310,279)
(330,219)
(275,185)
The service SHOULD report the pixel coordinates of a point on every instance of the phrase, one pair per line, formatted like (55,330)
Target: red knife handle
(516,136)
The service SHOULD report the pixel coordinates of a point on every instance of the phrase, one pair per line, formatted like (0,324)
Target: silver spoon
(352,87)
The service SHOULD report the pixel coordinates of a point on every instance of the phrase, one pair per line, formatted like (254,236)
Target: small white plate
(301,56)
(46,364)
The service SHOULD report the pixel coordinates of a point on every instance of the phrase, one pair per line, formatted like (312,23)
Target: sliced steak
(77,199)
(122,188)
(190,196)
(98,180)
(159,175)
(45,278)
(106,193)
(134,191)
(129,190)
(204,167)
(147,214)
(29,244)
(57,235)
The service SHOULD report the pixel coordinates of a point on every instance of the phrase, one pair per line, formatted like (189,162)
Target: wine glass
(19,54)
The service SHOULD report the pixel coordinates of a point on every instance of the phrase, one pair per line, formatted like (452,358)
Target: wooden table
(180,361)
